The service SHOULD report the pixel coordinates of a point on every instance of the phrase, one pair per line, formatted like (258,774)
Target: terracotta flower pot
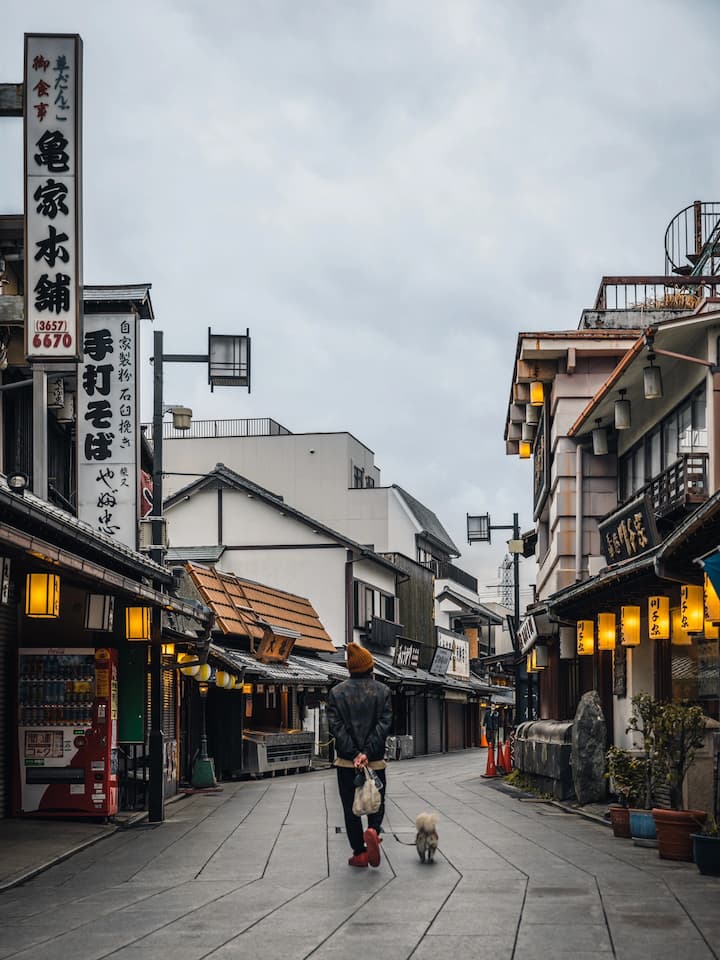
(674,832)
(620,820)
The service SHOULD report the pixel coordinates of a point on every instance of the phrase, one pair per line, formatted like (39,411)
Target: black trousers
(353,824)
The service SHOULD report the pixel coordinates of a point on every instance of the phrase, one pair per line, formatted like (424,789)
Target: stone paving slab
(260,870)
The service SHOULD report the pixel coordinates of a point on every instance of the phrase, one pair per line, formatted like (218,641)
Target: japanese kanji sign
(107,427)
(53,185)
(628,532)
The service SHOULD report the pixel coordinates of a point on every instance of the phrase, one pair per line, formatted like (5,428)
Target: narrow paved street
(260,870)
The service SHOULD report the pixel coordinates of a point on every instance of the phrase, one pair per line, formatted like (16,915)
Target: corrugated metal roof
(242,607)
(209,554)
(294,671)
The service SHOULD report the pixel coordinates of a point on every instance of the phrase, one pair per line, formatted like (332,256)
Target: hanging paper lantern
(585,634)
(692,608)
(659,618)
(630,626)
(606,631)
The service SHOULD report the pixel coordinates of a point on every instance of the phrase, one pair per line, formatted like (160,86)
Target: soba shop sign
(629,532)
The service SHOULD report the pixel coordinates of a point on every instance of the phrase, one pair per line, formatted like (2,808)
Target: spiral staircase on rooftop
(692,241)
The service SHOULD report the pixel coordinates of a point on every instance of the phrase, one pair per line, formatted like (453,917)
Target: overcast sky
(385,193)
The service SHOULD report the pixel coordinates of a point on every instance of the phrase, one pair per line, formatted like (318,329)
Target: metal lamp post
(479,529)
(228,362)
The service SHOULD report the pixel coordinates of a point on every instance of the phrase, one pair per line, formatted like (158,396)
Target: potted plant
(626,775)
(706,848)
(642,723)
(679,734)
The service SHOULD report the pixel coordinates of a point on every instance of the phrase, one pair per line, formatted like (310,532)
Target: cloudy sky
(385,192)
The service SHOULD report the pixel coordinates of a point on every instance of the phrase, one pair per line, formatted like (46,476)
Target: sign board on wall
(53,201)
(458,646)
(108,427)
(440,661)
(629,531)
(407,653)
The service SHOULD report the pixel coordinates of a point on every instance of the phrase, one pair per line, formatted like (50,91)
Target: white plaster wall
(309,470)
(374,574)
(318,575)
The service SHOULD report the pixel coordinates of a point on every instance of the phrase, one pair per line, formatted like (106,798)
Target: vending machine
(67,732)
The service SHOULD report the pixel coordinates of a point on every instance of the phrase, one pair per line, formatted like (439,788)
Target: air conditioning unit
(145,535)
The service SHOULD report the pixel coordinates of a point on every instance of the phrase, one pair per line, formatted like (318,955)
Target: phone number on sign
(51,326)
(51,341)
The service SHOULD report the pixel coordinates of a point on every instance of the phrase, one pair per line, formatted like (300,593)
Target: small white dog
(426,840)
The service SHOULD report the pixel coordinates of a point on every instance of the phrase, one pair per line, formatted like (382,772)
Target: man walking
(360,716)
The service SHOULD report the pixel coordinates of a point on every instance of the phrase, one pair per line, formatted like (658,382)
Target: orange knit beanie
(359,660)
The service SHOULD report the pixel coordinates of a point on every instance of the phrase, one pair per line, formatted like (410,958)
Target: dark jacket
(360,716)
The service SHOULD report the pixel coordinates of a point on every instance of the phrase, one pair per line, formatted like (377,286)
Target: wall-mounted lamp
(652,380)
(622,412)
(525,449)
(168,649)
(537,393)
(539,657)
(17,482)
(99,609)
(630,626)
(137,624)
(659,618)
(42,596)
(585,633)
(606,631)
(599,439)
(182,416)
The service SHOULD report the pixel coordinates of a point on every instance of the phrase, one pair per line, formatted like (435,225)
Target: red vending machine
(67,732)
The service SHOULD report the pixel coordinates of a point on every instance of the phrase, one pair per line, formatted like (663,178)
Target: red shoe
(359,860)
(372,842)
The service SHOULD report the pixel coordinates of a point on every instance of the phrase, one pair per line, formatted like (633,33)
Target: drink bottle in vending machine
(67,731)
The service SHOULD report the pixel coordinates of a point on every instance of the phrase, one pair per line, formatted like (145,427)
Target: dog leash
(405,843)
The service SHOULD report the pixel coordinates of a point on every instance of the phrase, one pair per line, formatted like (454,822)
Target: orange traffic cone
(500,762)
(483,741)
(508,757)
(490,769)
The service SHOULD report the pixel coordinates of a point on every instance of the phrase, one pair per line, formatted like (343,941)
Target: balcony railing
(383,633)
(683,483)
(444,570)
(210,429)
(655,293)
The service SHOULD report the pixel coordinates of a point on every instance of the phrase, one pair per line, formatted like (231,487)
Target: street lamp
(228,363)
(479,530)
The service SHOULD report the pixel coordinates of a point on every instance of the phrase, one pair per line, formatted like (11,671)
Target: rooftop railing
(655,293)
(211,429)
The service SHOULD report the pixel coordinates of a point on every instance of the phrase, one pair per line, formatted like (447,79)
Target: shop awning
(292,672)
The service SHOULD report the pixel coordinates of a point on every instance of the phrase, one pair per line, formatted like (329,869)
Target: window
(358,477)
(682,432)
(369,602)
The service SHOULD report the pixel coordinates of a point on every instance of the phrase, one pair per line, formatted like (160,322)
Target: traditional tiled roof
(242,608)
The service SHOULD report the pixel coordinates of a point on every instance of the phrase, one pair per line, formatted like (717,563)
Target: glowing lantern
(680,636)
(525,450)
(42,595)
(585,637)
(712,611)
(537,393)
(692,608)
(606,631)
(630,626)
(192,670)
(659,618)
(137,623)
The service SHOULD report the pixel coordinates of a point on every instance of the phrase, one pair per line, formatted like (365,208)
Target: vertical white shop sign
(53,187)
(107,426)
